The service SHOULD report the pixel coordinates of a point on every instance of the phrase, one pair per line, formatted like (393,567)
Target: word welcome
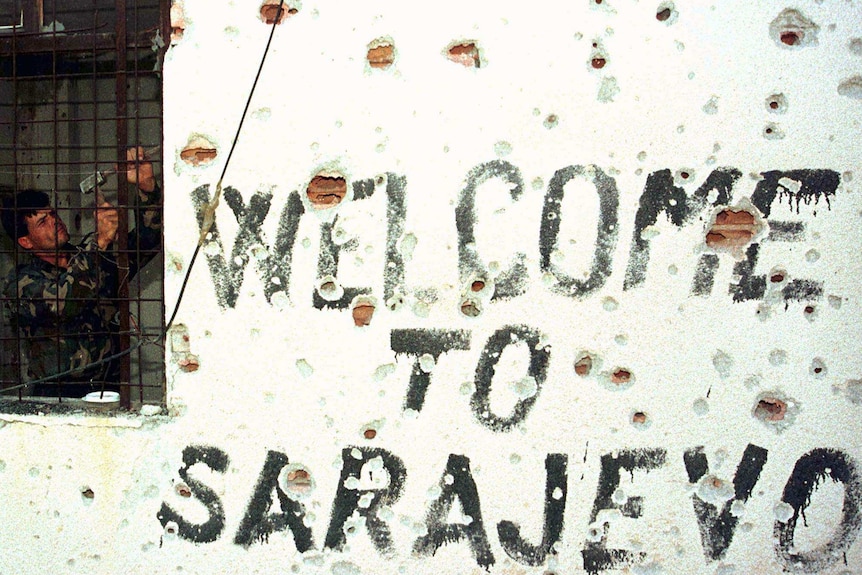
(660,195)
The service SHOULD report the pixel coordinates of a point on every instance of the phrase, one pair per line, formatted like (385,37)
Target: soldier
(63,297)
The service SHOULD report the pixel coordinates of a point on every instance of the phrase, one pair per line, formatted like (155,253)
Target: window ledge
(48,412)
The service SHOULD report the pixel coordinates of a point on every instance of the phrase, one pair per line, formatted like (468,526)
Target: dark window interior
(80,83)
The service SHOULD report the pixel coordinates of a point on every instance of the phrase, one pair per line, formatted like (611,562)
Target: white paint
(431,120)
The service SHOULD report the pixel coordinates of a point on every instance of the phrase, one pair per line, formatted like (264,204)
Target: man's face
(46,232)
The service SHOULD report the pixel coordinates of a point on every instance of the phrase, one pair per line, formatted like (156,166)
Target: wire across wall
(81,85)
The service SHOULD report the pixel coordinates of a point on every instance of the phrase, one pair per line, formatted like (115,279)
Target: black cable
(209,212)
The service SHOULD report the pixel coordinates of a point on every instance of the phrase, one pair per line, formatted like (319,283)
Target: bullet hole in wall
(621,376)
(851,389)
(198,150)
(639,419)
(396,302)
(776,103)
(87,494)
(732,229)
(329,289)
(189,362)
(770,409)
(777,357)
(471,307)
(773,132)
(269,11)
(326,190)
(464,52)
(174,262)
(666,13)
(818,367)
(296,481)
(502,148)
(369,433)
(777,276)
(775,410)
(584,364)
(178,22)
(551,121)
(598,56)
(381,54)
(791,29)
(790,37)
(363,310)
(851,87)
(682,177)
(183,490)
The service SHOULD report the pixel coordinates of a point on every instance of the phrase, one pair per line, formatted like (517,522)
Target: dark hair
(24,205)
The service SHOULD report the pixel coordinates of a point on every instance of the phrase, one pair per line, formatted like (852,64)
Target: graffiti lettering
(420,342)
(597,556)
(717,527)
(373,479)
(327,258)
(396,214)
(211,529)
(458,482)
(480,402)
(812,468)
(228,275)
(513,281)
(552,526)
(370,478)
(606,234)
(660,195)
(257,525)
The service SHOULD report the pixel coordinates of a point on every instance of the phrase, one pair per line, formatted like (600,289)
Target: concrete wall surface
(504,287)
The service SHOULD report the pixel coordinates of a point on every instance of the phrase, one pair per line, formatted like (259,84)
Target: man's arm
(145,240)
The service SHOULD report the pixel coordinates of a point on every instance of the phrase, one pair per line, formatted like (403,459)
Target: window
(79,85)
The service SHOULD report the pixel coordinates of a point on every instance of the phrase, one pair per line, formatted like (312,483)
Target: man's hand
(140,170)
(107,223)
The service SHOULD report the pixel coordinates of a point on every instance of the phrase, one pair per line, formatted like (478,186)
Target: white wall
(283,384)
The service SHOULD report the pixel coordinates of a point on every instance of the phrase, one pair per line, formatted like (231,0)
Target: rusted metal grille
(80,84)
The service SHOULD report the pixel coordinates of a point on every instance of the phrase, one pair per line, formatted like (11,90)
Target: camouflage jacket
(66,317)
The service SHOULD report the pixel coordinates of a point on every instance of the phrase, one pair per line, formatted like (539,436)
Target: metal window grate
(80,83)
